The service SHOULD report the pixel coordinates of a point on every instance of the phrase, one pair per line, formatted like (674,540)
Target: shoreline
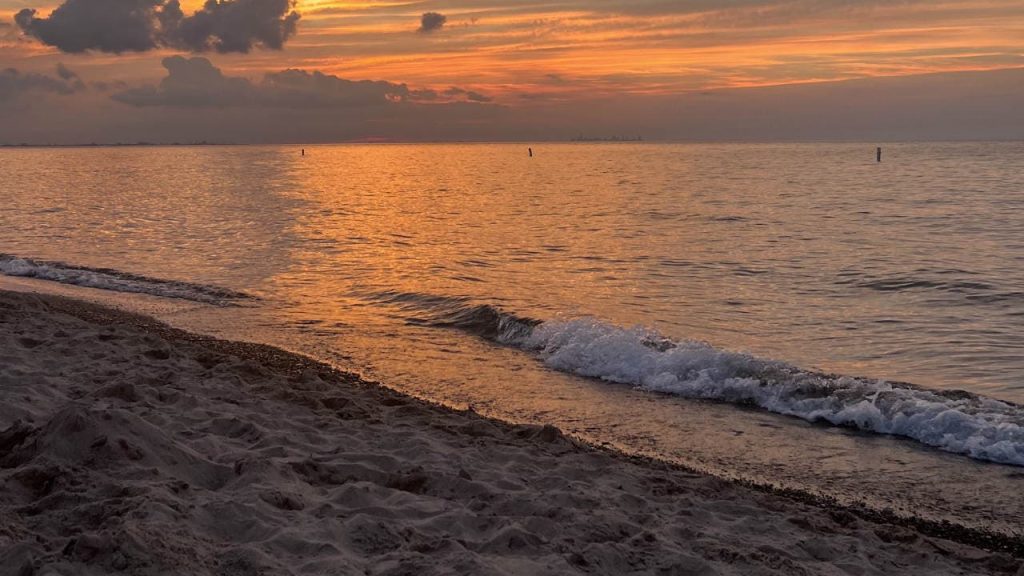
(265,375)
(655,141)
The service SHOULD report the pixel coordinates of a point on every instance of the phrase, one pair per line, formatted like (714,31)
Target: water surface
(407,263)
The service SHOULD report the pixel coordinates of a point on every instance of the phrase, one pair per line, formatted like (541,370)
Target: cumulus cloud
(431,22)
(232,25)
(197,83)
(190,82)
(14,83)
(105,25)
(118,26)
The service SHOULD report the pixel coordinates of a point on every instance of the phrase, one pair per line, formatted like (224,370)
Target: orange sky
(512,69)
(578,48)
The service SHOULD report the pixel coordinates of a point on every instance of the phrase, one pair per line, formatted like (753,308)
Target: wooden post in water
(878,154)
(303,151)
(531,152)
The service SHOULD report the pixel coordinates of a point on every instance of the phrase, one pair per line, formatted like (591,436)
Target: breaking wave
(954,421)
(117,281)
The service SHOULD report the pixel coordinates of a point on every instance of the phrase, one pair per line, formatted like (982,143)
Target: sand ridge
(126,448)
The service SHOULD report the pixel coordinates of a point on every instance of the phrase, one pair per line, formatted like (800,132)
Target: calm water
(429,266)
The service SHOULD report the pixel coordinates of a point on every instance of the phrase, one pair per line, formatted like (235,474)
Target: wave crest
(956,421)
(951,420)
(117,281)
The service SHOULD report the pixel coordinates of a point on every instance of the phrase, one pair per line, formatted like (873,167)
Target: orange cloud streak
(528,51)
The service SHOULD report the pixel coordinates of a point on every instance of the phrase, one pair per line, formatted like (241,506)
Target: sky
(262,71)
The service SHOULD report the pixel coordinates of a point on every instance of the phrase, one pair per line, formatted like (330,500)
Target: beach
(131,447)
(473,288)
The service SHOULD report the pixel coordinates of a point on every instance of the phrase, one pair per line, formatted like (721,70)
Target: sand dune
(129,447)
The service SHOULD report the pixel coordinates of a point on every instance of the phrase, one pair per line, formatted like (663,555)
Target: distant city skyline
(265,71)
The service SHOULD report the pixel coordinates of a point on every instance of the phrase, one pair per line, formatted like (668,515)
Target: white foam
(979,427)
(114,280)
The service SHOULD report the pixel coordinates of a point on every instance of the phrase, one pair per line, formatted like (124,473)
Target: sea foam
(951,420)
(115,280)
(955,421)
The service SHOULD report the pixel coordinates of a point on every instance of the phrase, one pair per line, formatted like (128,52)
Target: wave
(117,281)
(957,284)
(955,421)
(952,420)
(483,320)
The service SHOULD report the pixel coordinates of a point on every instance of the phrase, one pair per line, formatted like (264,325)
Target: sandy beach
(130,447)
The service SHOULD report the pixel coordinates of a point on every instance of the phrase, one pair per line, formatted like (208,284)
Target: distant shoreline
(484,142)
(121,145)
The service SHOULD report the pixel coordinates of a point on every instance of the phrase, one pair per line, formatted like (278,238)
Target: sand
(128,447)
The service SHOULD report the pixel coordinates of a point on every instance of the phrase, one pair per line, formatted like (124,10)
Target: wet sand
(130,447)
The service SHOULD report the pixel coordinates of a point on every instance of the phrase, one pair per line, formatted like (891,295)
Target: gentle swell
(117,281)
(955,421)
(483,320)
(955,285)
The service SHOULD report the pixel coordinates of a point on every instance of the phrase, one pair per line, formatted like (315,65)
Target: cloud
(14,83)
(197,83)
(65,73)
(70,77)
(456,93)
(964,105)
(7,31)
(301,89)
(233,25)
(118,26)
(190,82)
(104,25)
(108,85)
(431,22)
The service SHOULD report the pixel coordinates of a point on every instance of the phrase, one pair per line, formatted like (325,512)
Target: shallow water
(383,258)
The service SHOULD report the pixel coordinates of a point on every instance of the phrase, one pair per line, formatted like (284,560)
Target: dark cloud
(232,25)
(456,93)
(70,77)
(118,26)
(107,86)
(104,25)
(65,73)
(930,107)
(431,22)
(197,83)
(14,83)
(301,89)
(190,82)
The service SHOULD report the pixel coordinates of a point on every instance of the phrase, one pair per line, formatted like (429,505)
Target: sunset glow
(511,287)
(527,54)
(525,48)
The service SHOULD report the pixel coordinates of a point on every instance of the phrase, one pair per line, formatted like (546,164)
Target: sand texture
(127,448)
